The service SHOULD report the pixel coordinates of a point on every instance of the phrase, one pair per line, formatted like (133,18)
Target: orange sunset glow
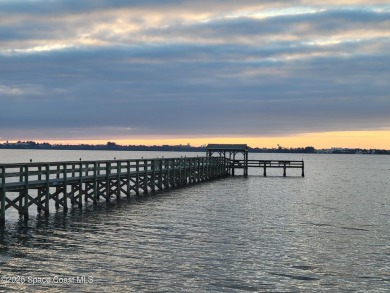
(344,139)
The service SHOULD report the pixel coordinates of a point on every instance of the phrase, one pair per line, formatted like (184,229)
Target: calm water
(327,232)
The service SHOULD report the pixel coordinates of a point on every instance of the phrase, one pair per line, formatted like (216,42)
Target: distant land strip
(112,146)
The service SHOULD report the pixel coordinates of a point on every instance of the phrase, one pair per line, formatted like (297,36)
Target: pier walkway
(72,183)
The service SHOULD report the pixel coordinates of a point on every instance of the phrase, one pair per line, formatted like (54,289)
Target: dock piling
(3,197)
(47,189)
(65,187)
(25,193)
(145,174)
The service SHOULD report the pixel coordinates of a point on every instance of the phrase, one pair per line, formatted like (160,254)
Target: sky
(294,73)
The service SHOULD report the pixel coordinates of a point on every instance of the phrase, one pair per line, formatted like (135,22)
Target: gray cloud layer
(84,69)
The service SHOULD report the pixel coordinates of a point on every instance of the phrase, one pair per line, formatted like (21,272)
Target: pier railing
(265,164)
(71,183)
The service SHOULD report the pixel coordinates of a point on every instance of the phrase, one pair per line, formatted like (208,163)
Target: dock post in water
(81,192)
(47,189)
(95,183)
(65,186)
(25,193)
(137,187)
(3,197)
(118,180)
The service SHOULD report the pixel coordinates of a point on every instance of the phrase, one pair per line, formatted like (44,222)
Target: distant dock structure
(49,185)
(229,151)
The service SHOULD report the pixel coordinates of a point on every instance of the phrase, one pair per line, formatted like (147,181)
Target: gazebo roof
(227,147)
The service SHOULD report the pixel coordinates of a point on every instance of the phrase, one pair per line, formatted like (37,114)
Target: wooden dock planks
(69,183)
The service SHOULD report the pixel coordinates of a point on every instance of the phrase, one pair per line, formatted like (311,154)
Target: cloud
(82,69)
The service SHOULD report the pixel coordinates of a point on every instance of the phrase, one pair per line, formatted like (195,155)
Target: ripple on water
(255,234)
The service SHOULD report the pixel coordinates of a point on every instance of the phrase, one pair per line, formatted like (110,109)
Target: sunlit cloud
(10,91)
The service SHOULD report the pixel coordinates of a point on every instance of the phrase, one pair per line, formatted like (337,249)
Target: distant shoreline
(111,146)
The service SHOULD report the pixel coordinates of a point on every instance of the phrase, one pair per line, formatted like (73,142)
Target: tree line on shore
(178,148)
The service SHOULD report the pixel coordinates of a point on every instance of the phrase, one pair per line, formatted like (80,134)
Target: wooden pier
(64,184)
(71,183)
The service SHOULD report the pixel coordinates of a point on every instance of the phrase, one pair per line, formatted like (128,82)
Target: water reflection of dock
(66,184)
